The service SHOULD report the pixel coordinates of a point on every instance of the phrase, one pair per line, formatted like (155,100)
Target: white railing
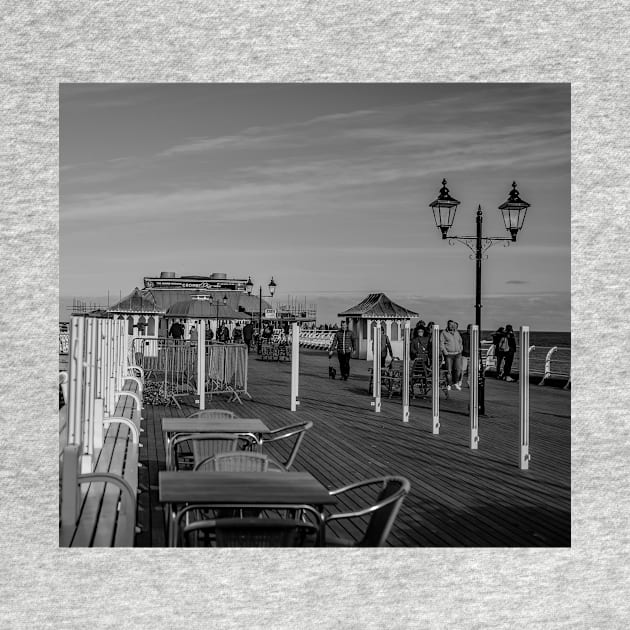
(548,362)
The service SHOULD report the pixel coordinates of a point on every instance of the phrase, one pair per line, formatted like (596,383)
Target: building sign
(270,313)
(185,283)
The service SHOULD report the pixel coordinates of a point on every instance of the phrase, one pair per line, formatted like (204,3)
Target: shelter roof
(378,306)
(138,301)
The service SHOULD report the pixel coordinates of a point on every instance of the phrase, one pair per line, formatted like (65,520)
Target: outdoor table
(241,426)
(193,489)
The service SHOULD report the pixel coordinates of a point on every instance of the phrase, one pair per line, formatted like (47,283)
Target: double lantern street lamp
(249,286)
(513,212)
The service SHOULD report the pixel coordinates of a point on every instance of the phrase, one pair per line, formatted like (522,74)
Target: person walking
(386,346)
(248,335)
(343,342)
(465,355)
(451,347)
(509,339)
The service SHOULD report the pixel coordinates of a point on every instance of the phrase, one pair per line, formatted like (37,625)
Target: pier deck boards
(459,497)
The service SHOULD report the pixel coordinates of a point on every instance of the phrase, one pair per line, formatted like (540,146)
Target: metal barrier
(316,339)
(171,369)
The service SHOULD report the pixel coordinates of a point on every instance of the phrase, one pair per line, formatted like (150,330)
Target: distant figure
(225,334)
(427,342)
(499,353)
(386,346)
(343,343)
(285,328)
(194,336)
(248,335)
(465,355)
(177,330)
(416,348)
(418,329)
(451,347)
(509,349)
(237,334)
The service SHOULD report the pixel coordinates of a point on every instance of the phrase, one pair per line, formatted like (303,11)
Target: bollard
(473,380)
(201,367)
(295,365)
(435,378)
(405,383)
(524,392)
(376,371)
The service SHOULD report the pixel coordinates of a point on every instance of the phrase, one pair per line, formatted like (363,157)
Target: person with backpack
(508,348)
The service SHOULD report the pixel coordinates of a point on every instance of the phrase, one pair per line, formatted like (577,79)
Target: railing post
(406,359)
(435,378)
(376,371)
(295,365)
(473,380)
(524,392)
(75,385)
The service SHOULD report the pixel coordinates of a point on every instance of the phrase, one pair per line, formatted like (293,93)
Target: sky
(325,187)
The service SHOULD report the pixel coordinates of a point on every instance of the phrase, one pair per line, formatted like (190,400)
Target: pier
(458,497)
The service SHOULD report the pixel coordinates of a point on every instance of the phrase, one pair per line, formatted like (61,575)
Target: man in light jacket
(451,347)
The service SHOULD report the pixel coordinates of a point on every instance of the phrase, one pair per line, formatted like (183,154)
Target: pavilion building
(375,309)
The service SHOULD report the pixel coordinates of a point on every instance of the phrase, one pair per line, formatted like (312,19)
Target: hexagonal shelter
(370,312)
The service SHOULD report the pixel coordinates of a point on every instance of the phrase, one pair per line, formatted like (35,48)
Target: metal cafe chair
(254,531)
(203,446)
(213,414)
(295,431)
(238,461)
(382,512)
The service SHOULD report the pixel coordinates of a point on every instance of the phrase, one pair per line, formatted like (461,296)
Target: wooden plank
(458,497)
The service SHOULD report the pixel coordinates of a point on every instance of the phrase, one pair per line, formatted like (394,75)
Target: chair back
(296,431)
(213,413)
(260,532)
(387,507)
(237,461)
(205,445)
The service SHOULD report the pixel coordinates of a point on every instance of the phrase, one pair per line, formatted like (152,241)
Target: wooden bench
(104,500)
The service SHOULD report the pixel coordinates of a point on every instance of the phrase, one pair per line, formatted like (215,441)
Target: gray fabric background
(44,43)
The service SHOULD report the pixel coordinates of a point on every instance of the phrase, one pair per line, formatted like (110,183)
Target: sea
(541,339)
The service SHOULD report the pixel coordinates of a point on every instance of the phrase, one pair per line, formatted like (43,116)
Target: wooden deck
(458,497)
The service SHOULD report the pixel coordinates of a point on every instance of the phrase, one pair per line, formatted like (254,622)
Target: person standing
(386,346)
(451,347)
(177,330)
(194,336)
(237,334)
(248,335)
(343,343)
(509,339)
(465,355)
(499,353)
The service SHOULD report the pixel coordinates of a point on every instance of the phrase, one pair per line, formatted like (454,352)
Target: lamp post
(249,286)
(225,301)
(513,212)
